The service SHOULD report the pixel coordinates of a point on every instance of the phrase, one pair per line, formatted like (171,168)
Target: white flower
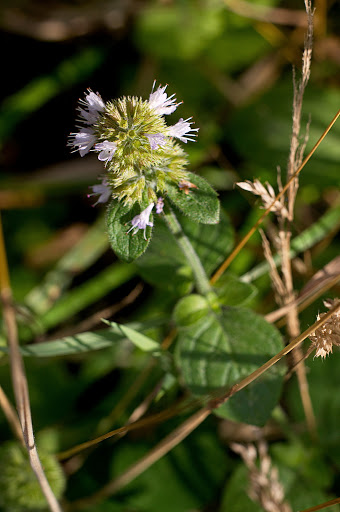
(107,150)
(94,101)
(93,105)
(103,190)
(83,140)
(88,117)
(141,221)
(182,129)
(156,140)
(160,205)
(160,102)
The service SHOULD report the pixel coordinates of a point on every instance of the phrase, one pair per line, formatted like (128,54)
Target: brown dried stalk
(294,162)
(19,380)
(264,485)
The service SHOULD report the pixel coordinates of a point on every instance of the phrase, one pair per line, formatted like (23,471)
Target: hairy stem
(202,281)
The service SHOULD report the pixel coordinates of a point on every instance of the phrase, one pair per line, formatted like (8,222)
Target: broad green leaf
(138,339)
(127,245)
(232,291)
(190,309)
(200,204)
(221,349)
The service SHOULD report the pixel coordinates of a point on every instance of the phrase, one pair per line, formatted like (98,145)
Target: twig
(11,416)
(326,504)
(19,379)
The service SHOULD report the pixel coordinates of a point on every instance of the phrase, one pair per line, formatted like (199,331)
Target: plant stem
(201,278)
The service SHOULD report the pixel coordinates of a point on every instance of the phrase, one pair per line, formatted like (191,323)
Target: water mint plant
(144,165)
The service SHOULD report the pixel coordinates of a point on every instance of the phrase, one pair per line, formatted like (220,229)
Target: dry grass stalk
(264,485)
(19,380)
(294,162)
(267,195)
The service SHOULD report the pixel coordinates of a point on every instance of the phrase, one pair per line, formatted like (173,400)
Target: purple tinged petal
(103,190)
(107,150)
(83,140)
(142,220)
(156,140)
(160,205)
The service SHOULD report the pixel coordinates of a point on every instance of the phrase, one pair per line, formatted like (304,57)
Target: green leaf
(164,265)
(232,291)
(190,309)
(200,204)
(222,349)
(87,341)
(139,340)
(211,242)
(127,246)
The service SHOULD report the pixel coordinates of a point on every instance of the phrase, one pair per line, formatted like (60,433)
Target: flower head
(183,131)
(142,220)
(103,190)
(131,137)
(160,102)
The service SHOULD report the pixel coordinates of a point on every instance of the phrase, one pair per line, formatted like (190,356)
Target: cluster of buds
(140,152)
